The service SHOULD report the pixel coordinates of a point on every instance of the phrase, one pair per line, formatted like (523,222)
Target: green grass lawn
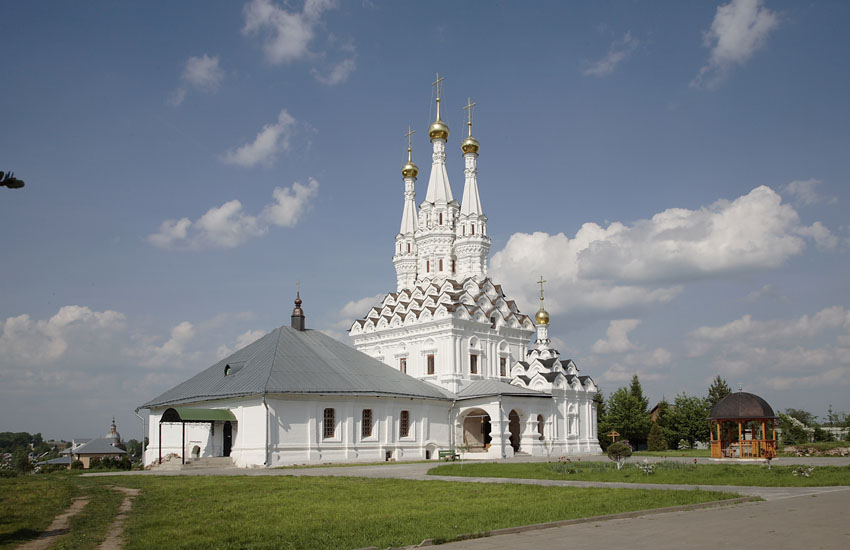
(665,472)
(250,512)
(28,504)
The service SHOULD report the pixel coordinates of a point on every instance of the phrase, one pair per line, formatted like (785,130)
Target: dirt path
(114,535)
(58,527)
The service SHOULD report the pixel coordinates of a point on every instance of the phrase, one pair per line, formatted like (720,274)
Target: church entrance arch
(476,430)
(513,426)
(228,438)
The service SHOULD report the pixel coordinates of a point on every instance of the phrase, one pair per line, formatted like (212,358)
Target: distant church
(442,363)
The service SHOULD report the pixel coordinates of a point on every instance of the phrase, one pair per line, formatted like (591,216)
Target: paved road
(814,521)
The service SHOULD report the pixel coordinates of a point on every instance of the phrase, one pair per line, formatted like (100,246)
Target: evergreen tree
(656,441)
(717,391)
(627,413)
(688,420)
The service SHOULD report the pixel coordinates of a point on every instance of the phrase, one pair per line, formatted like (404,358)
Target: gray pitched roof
(288,361)
(486,388)
(98,446)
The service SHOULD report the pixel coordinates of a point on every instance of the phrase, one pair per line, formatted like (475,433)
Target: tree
(627,414)
(837,419)
(688,420)
(657,441)
(21,460)
(807,418)
(619,452)
(717,391)
(793,431)
(9,180)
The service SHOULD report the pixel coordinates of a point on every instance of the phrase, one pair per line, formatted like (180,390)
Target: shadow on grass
(21,535)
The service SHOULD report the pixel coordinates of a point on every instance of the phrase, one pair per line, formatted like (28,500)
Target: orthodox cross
(298,286)
(540,282)
(438,84)
(409,136)
(468,109)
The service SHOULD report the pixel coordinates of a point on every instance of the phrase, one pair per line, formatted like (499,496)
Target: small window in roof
(227,370)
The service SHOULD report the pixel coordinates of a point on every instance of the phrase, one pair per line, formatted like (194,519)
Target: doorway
(513,426)
(228,438)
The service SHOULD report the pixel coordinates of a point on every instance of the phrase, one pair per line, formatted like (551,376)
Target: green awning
(187,414)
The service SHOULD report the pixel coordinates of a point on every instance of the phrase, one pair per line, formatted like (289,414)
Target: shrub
(684,445)
(619,452)
(77,465)
(657,441)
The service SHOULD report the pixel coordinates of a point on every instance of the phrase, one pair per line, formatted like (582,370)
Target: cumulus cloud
(805,192)
(767,291)
(228,225)
(809,351)
(617,337)
(270,141)
(740,28)
(619,51)
(26,341)
(648,262)
(287,35)
(248,337)
(202,74)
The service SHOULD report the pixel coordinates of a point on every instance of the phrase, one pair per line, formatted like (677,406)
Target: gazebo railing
(749,448)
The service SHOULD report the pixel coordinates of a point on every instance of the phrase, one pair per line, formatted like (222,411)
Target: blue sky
(677,171)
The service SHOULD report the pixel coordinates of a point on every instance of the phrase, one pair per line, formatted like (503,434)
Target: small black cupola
(298,314)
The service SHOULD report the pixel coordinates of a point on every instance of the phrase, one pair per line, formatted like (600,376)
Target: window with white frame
(404,424)
(329,426)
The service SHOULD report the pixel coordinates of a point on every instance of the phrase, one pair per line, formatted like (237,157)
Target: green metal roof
(188,414)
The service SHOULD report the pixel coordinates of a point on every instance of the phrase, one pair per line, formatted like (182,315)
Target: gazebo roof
(741,405)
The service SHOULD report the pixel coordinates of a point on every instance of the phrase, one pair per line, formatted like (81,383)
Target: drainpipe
(144,431)
(266,448)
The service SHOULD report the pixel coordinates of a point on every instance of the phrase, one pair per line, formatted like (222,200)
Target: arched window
(366,424)
(404,424)
(329,423)
(503,366)
(540,424)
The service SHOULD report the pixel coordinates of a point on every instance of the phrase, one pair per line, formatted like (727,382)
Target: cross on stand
(540,282)
(437,84)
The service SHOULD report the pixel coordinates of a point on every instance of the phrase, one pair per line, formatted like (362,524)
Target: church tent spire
(439,189)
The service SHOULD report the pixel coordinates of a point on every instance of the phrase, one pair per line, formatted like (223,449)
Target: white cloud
(171,352)
(805,193)
(619,51)
(647,262)
(823,237)
(272,140)
(199,73)
(290,203)
(649,365)
(46,341)
(767,291)
(228,225)
(354,309)
(287,37)
(617,337)
(338,74)
(739,29)
(806,352)
(248,337)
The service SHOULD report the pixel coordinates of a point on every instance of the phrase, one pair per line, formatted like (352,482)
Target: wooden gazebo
(743,426)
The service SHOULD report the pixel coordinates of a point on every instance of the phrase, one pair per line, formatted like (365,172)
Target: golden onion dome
(409,170)
(439,129)
(469,145)
(542,317)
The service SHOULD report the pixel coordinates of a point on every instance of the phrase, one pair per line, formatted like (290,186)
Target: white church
(441,364)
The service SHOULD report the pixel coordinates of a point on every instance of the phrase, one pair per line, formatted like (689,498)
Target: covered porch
(223,418)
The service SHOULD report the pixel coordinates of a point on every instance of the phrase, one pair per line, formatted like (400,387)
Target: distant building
(86,449)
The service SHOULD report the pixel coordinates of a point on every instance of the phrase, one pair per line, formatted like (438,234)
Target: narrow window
(540,425)
(366,424)
(503,366)
(404,424)
(473,363)
(330,423)
(408,248)
(441,218)
(402,365)
(430,363)
(473,229)
(453,266)
(441,264)
(427,266)
(464,229)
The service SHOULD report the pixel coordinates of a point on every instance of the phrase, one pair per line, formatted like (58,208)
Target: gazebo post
(183,453)
(160,440)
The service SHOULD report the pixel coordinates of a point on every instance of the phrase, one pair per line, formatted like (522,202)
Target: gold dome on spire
(409,170)
(470,144)
(542,316)
(439,129)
